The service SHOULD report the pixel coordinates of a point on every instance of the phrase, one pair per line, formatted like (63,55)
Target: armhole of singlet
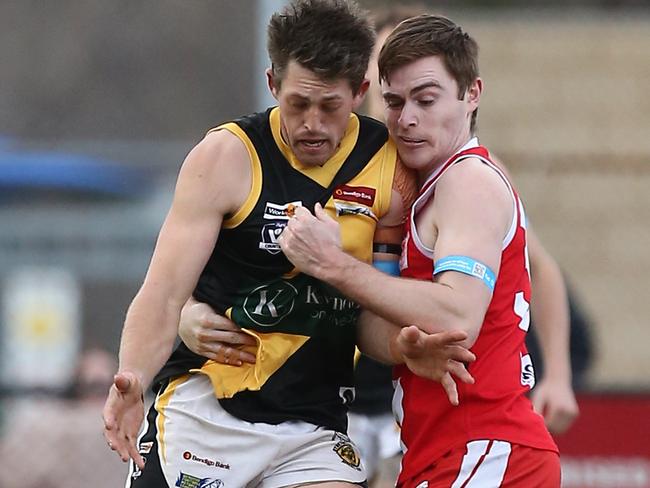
(426,195)
(256,177)
(513,226)
(515,206)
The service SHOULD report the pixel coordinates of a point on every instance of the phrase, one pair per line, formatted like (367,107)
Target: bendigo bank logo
(358,194)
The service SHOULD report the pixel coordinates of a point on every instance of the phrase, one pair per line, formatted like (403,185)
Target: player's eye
(393,102)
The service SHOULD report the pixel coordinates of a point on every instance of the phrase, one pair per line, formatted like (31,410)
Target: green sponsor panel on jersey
(297,305)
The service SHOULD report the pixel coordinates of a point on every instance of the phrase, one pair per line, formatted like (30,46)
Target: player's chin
(313,155)
(416,158)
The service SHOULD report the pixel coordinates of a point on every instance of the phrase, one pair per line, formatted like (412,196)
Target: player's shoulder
(473,174)
(219,167)
(473,188)
(222,142)
(218,170)
(220,150)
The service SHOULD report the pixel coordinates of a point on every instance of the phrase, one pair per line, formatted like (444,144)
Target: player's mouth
(312,145)
(411,142)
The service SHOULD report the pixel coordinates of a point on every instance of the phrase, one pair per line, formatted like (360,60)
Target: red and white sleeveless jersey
(495,407)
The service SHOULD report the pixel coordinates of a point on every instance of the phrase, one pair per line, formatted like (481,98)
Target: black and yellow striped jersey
(305,329)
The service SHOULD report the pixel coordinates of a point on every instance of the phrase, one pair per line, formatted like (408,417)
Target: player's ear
(474,93)
(273,83)
(361,94)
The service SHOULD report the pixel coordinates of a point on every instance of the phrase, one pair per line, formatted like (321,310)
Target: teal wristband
(388,267)
(468,266)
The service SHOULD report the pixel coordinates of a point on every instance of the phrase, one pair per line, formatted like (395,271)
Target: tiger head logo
(347,452)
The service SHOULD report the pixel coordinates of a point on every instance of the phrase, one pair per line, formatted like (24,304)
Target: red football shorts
(493,464)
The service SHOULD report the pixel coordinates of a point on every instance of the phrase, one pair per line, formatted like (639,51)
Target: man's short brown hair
(432,35)
(332,38)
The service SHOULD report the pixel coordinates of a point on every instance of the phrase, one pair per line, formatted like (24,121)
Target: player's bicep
(474,211)
(182,249)
(203,195)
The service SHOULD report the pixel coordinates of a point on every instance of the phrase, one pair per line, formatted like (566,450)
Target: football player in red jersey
(466,260)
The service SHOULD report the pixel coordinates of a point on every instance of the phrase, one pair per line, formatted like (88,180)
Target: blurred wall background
(101,100)
(565,108)
(151,69)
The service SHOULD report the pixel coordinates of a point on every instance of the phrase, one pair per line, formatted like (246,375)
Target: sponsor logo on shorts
(357,194)
(188,456)
(188,481)
(346,451)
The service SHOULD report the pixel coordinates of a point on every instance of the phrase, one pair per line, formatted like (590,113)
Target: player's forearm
(433,307)
(376,338)
(553,335)
(550,312)
(148,337)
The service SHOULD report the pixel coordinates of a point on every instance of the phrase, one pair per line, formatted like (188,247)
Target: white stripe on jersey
(483,465)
